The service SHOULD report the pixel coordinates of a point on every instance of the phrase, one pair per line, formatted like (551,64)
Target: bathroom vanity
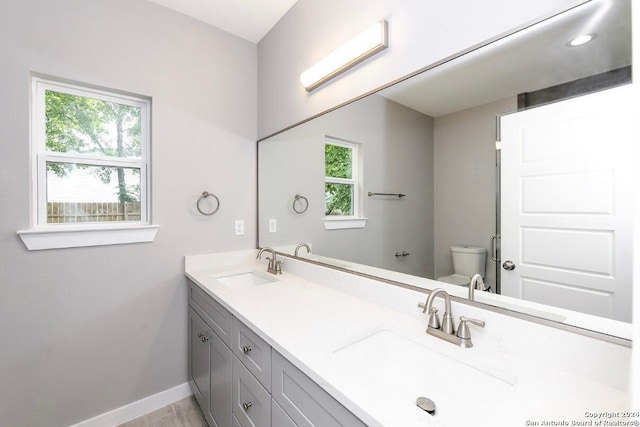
(316,346)
(239,380)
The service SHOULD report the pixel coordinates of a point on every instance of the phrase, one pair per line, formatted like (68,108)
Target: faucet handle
(434,320)
(278,266)
(463,328)
(423,306)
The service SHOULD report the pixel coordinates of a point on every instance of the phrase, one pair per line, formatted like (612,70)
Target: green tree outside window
(339,190)
(76,124)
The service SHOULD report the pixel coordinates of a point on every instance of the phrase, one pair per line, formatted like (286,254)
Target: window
(341,184)
(90,160)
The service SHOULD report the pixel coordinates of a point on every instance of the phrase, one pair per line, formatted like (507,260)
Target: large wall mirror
(415,183)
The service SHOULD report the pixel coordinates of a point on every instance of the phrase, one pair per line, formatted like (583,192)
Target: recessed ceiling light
(582,39)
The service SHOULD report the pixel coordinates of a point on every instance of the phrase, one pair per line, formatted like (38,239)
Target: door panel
(221,363)
(566,208)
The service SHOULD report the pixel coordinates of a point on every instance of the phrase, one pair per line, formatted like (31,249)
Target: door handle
(509,265)
(494,248)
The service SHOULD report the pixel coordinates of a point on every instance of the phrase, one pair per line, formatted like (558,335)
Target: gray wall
(397,145)
(420,33)
(464,175)
(84,331)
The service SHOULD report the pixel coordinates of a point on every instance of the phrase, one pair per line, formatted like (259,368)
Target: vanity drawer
(214,314)
(304,401)
(251,402)
(253,351)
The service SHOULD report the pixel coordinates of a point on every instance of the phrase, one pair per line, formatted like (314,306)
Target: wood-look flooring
(183,413)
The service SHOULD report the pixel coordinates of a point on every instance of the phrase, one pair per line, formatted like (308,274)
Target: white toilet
(467,261)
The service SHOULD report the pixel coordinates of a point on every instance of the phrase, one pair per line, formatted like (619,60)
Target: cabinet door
(221,363)
(279,418)
(199,371)
(306,403)
(210,370)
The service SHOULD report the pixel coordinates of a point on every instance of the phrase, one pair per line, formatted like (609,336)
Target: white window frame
(336,222)
(43,235)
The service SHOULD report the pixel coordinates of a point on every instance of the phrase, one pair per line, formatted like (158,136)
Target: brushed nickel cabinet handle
(247,405)
(246,349)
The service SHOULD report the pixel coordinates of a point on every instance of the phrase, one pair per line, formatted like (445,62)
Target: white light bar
(363,46)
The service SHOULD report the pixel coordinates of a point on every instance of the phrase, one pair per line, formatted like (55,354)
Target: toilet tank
(469,260)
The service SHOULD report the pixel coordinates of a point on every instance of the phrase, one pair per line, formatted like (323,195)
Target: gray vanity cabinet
(216,316)
(240,381)
(251,401)
(210,368)
(251,377)
(279,418)
(253,352)
(304,401)
(199,354)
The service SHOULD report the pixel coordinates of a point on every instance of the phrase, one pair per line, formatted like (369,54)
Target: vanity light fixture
(361,47)
(582,39)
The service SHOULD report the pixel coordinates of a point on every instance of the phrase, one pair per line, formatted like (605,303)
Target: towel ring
(306,204)
(204,195)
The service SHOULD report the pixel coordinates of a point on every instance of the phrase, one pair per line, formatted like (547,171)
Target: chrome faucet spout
(447,318)
(302,245)
(273,253)
(274,266)
(476,282)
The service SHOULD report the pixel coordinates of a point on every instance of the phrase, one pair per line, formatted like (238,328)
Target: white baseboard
(138,408)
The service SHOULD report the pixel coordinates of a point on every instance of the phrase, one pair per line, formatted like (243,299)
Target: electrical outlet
(273,225)
(239,227)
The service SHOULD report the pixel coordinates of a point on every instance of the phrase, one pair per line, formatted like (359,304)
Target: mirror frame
(512,313)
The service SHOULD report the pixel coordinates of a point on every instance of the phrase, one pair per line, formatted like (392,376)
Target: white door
(567,178)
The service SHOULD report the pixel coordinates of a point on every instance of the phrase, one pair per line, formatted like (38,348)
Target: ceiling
(532,59)
(248,19)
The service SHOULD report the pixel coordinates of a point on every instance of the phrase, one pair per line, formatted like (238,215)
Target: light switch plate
(273,225)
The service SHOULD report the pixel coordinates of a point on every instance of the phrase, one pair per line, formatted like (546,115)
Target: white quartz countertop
(376,358)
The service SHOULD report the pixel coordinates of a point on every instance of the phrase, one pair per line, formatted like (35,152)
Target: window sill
(344,222)
(64,236)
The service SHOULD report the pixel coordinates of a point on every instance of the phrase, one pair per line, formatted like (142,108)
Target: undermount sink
(244,280)
(385,360)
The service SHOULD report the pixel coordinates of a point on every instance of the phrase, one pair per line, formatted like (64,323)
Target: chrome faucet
(462,336)
(274,266)
(302,245)
(447,319)
(475,283)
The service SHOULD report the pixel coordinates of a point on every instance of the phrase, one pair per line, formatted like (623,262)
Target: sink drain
(426,404)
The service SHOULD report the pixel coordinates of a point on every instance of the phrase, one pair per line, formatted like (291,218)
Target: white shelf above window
(66,236)
(344,222)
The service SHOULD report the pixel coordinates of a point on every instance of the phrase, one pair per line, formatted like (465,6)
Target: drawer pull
(201,334)
(246,349)
(247,405)
(204,338)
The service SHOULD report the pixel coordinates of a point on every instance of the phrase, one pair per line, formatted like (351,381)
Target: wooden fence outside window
(66,212)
